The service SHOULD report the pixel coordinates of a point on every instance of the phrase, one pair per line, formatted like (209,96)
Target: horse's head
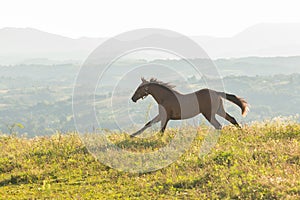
(142,91)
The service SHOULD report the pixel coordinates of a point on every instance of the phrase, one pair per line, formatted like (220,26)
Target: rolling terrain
(261,161)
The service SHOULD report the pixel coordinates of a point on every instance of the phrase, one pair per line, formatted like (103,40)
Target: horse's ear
(143,80)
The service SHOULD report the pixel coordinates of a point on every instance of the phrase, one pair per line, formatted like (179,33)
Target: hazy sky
(101,19)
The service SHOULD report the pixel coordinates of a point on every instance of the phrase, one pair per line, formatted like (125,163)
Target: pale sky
(223,18)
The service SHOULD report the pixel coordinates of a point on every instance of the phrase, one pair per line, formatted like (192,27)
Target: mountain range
(29,45)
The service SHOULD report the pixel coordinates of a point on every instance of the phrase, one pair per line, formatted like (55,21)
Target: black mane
(167,85)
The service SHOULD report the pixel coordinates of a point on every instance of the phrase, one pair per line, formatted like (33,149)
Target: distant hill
(26,45)
(263,40)
(23,45)
(263,66)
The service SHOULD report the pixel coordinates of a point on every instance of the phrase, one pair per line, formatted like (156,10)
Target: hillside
(40,96)
(261,161)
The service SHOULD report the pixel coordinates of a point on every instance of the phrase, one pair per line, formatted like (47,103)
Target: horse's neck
(160,92)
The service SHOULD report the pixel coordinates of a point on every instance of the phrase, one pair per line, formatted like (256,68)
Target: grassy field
(261,161)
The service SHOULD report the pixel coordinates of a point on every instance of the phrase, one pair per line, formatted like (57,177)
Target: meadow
(261,161)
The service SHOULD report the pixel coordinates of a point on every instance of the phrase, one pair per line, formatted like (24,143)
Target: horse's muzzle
(134,100)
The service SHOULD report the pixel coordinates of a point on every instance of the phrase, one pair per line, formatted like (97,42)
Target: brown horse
(176,106)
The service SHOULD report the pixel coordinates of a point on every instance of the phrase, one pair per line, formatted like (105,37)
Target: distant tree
(12,128)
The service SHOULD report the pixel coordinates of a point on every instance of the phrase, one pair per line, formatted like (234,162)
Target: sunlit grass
(261,161)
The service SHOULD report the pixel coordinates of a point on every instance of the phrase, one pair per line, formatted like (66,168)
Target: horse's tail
(236,100)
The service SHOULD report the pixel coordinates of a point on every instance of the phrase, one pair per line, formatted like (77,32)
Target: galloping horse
(176,106)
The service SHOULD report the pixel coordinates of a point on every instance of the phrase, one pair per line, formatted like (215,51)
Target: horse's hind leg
(232,120)
(221,112)
(213,121)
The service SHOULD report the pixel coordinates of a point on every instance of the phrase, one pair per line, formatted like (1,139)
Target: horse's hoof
(133,135)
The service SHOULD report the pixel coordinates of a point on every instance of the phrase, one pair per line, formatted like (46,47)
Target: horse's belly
(178,116)
(189,107)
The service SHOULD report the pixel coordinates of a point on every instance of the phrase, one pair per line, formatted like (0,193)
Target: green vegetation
(261,161)
(39,96)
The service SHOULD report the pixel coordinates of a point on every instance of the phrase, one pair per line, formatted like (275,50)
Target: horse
(172,105)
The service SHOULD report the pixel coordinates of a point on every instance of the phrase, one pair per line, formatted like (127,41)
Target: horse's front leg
(164,123)
(164,118)
(147,125)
